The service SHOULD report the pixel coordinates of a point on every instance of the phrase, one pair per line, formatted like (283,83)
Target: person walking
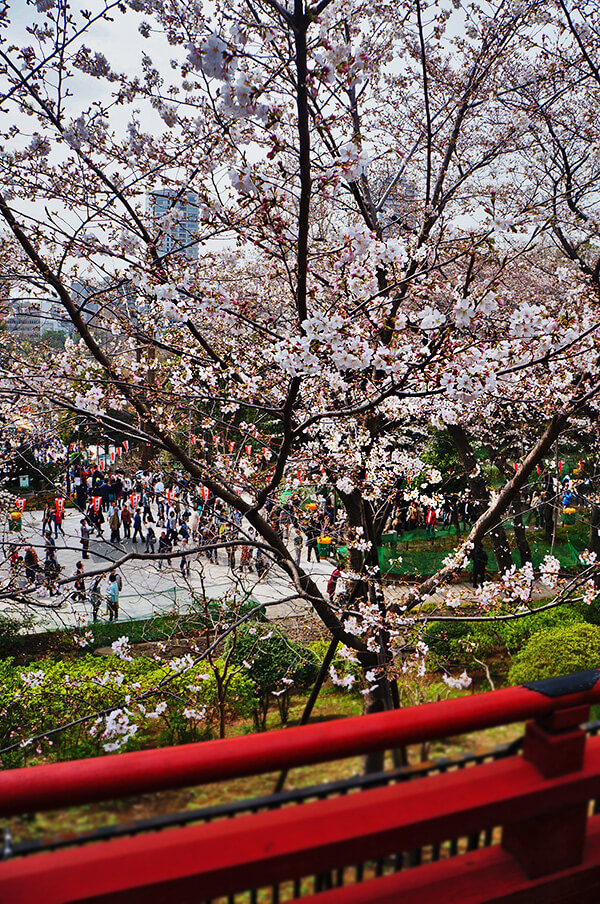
(298,543)
(126,522)
(312,533)
(30,561)
(137,526)
(85,531)
(79,594)
(96,597)
(112,597)
(150,539)
(480,559)
(114,523)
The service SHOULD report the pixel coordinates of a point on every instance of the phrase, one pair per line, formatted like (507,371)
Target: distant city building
(23,318)
(176,221)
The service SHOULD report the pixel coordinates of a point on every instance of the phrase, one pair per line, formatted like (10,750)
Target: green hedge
(569,648)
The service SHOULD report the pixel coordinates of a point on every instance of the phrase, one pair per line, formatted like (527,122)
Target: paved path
(147,589)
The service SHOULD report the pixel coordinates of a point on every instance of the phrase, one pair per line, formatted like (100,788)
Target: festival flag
(135,500)
(20,504)
(60,505)
(97,500)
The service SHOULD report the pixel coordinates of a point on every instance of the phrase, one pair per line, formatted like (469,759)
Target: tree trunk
(594,544)
(520,535)
(480,491)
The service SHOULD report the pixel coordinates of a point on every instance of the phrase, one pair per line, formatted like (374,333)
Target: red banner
(248,449)
(126,445)
(97,500)
(231,445)
(112,456)
(204,492)
(119,452)
(60,506)
(560,467)
(135,500)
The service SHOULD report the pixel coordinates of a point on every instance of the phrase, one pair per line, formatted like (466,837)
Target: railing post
(546,844)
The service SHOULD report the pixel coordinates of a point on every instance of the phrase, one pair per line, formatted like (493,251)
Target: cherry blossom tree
(372,182)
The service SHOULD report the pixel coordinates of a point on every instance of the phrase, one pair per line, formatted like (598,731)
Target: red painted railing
(550,849)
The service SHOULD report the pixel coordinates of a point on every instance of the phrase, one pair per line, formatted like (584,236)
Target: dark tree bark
(480,491)
(520,535)
(594,544)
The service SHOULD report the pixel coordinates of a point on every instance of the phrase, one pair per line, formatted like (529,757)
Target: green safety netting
(425,561)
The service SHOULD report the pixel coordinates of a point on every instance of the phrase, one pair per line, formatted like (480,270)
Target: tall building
(175,217)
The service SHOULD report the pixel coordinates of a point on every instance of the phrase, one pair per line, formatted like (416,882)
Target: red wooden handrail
(47,787)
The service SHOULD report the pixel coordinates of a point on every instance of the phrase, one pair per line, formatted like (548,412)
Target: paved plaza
(147,589)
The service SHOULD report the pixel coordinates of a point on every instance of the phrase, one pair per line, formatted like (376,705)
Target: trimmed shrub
(572,648)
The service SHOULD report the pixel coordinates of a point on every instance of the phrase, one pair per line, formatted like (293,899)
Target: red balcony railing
(538,803)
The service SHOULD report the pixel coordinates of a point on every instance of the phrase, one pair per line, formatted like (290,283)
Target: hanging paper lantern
(97,500)
(20,504)
(60,505)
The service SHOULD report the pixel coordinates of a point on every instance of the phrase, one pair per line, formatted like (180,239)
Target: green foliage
(48,694)
(456,644)
(274,664)
(570,648)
